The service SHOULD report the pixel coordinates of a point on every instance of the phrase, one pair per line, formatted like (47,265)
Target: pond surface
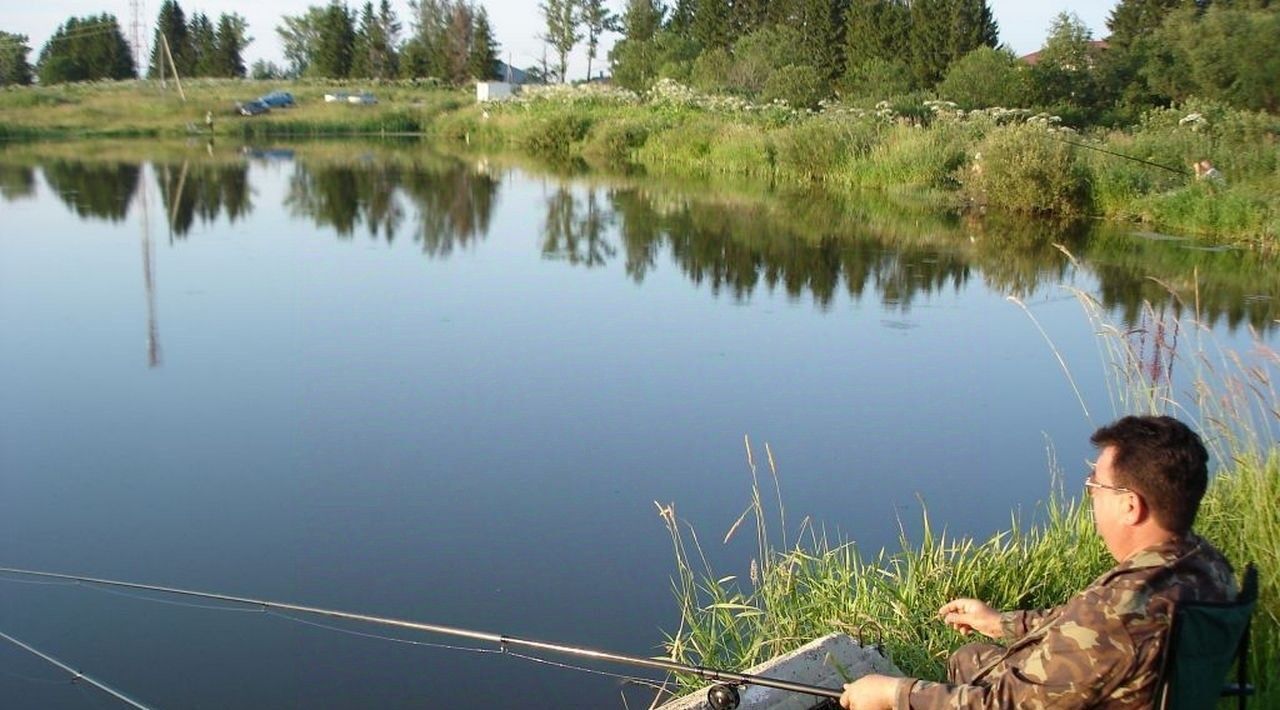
(379,379)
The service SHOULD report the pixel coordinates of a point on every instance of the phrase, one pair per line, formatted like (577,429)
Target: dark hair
(1164,461)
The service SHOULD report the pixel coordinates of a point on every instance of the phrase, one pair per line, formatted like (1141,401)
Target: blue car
(277,99)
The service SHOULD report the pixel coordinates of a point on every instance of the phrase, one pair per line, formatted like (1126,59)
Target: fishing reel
(723,697)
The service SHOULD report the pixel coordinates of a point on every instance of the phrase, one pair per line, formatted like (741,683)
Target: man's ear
(1134,509)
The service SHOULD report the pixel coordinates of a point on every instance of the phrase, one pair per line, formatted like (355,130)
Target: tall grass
(797,592)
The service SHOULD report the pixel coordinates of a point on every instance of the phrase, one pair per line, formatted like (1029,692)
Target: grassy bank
(132,109)
(1004,159)
(794,593)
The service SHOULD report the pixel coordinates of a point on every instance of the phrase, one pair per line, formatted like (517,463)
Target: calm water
(393,382)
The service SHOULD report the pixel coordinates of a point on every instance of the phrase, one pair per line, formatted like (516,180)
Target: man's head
(1148,482)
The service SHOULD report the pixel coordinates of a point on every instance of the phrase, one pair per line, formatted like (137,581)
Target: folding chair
(1204,639)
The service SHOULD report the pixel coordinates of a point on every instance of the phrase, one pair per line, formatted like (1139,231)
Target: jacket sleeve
(1069,666)
(1016,624)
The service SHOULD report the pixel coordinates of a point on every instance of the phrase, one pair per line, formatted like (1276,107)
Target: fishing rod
(722,696)
(75,674)
(1086,146)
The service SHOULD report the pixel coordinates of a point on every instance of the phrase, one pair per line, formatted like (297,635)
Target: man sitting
(1103,648)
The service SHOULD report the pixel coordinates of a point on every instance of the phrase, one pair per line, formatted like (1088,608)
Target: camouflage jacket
(1102,649)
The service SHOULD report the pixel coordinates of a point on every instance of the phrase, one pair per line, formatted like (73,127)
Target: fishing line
(365,634)
(647,682)
(15,580)
(170,602)
(469,649)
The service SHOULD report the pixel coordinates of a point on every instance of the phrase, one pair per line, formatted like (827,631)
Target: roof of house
(1034,57)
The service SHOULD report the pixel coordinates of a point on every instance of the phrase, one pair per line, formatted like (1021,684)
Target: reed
(796,592)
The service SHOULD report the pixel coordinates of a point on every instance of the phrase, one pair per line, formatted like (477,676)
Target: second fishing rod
(723,696)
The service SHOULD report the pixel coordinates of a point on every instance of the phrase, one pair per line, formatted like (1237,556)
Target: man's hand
(965,615)
(870,692)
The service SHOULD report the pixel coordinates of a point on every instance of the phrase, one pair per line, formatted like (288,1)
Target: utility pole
(173,66)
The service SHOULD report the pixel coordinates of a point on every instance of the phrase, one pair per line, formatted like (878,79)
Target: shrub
(1026,168)
(876,79)
(812,149)
(986,77)
(615,141)
(553,137)
(711,70)
(799,85)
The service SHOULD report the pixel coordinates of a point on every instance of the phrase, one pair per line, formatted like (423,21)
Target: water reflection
(94,189)
(735,240)
(575,230)
(17,182)
(452,203)
(208,191)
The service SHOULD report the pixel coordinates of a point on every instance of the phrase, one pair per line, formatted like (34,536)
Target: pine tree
(641,20)
(749,15)
(680,21)
(231,39)
(876,30)
(171,25)
(562,30)
(366,37)
(972,26)
(335,43)
(387,64)
(942,31)
(821,23)
(84,49)
(482,64)
(456,49)
(1131,19)
(423,53)
(711,24)
(14,69)
(596,19)
(204,46)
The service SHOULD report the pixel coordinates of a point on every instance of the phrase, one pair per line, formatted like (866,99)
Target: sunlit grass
(798,591)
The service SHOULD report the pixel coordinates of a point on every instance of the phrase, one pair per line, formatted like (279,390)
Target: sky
(1023,23)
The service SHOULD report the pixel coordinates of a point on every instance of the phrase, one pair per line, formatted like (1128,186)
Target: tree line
(450,40)
(199,47)
(93,47)
(804,51)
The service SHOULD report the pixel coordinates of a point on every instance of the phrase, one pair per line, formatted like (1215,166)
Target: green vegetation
(86,49)
(123,109)
(1008,159)
(199,48)
(14,68)
(794,593)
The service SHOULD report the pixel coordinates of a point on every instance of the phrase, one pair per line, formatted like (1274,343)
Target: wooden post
(173,66)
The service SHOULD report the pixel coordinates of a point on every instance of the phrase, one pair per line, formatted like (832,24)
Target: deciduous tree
(562,19)
(596,20)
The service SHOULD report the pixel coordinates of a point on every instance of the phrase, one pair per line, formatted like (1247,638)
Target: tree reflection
(207,191)
(575,232)
(453,204)
(102,190)
(17,181)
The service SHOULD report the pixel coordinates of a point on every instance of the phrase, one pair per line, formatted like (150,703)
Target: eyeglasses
(1090,483)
